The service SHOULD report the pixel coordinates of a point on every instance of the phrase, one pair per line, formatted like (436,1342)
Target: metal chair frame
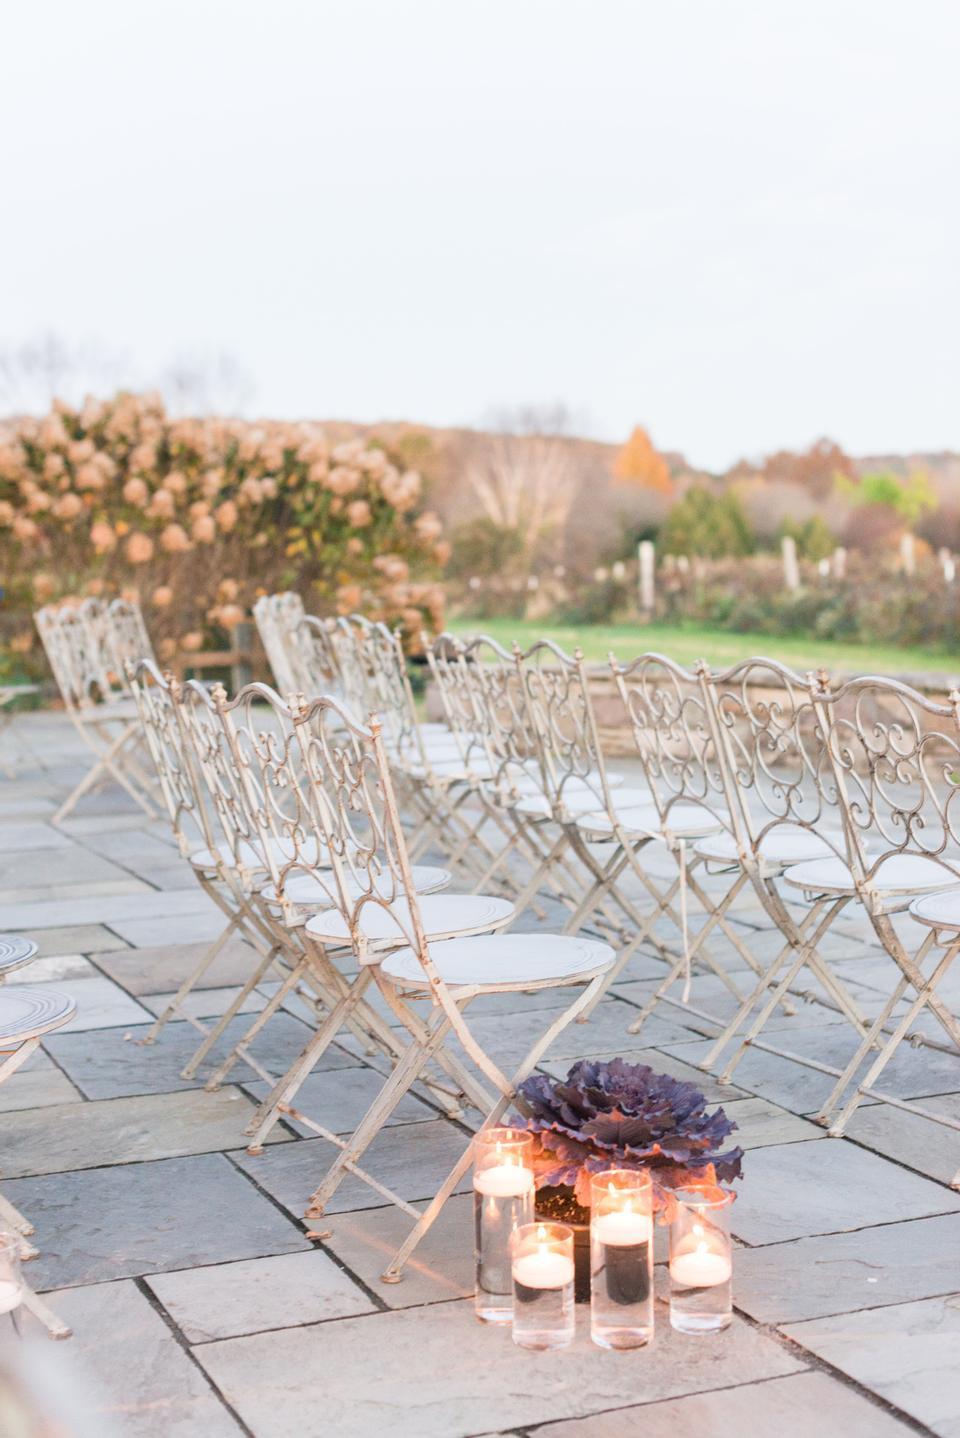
(358,798)
(100,708)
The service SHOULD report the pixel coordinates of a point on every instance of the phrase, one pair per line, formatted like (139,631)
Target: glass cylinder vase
(503,1194)
(621,1258)
(544,1313)
(701,1260)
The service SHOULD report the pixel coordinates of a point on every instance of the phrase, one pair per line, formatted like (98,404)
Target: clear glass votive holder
(544,1314)
(701,1260)
(11,1279)
(503,1199)
(621,1258)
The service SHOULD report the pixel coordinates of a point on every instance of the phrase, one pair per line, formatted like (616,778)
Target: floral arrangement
(198,517)
(620,1115)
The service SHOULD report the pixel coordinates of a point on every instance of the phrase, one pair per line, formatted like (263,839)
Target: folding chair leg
(55,1327)
(393,1273)
(286,1088)
(894,1039)
(189,982)
(402,1078)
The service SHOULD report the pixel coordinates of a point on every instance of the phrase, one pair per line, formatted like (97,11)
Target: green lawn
(690,642)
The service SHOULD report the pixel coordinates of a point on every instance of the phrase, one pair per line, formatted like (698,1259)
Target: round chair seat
(26,1013)
(451,769)
(15,950)
(684,821)
(504,961)
(581,800)
(310,891)
(445,916)
(898,875)
(779,848)
(940,911)
(251,855)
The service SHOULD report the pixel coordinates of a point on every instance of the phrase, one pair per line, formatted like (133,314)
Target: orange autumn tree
(639,463)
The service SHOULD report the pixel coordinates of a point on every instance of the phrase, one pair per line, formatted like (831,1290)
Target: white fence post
(908,556)
(647,557)
(839,562)
(791,570)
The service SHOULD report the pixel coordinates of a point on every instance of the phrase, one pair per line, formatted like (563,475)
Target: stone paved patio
(201,1308)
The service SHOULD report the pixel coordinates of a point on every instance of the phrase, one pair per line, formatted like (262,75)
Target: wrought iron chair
(97,701)
(412,950)
(273,805)
(277,617)
(894,758)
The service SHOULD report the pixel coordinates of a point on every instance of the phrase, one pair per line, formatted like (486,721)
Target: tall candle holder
(621,1258)
(544,1313)
(503,1193)
(701,1260)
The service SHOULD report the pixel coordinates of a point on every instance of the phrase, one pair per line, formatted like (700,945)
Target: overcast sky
(735,221)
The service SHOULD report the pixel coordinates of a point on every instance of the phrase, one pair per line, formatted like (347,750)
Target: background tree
(523,475)
(640,464)
(707,525)
(815,469)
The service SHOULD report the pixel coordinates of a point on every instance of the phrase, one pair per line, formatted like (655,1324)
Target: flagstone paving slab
(440,1268)
(760,1124)
(205,1003)
(74,939)
(794,1407)
(338,1100)
(58,969)
(507,1038)
(124,1375)
(913,1073)
(909,1354)
(126,1130)
(21,870)
(843,1272)
(154,970)
(256,1294)
(189,928)
(412,1159)
(918,1142)
(798,1189)
(108,909)
(439,1373)
(116,1063)
(20,835)
(103,1223)
(100,1004)
(38,1084)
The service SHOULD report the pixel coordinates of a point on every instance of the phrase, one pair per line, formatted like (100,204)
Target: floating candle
(543,1269)
(700,1269)
(506,1180)
(622,1229)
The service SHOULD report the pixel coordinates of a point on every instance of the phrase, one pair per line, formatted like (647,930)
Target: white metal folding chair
(277,617)
(894,757)
(414,951)
(174,732)
(783,811)
(96,700)
(282,802)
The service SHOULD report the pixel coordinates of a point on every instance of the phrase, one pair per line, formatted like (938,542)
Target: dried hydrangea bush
(199,517)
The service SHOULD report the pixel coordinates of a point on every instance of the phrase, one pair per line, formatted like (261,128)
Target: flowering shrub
(621,1115)
(198,517)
